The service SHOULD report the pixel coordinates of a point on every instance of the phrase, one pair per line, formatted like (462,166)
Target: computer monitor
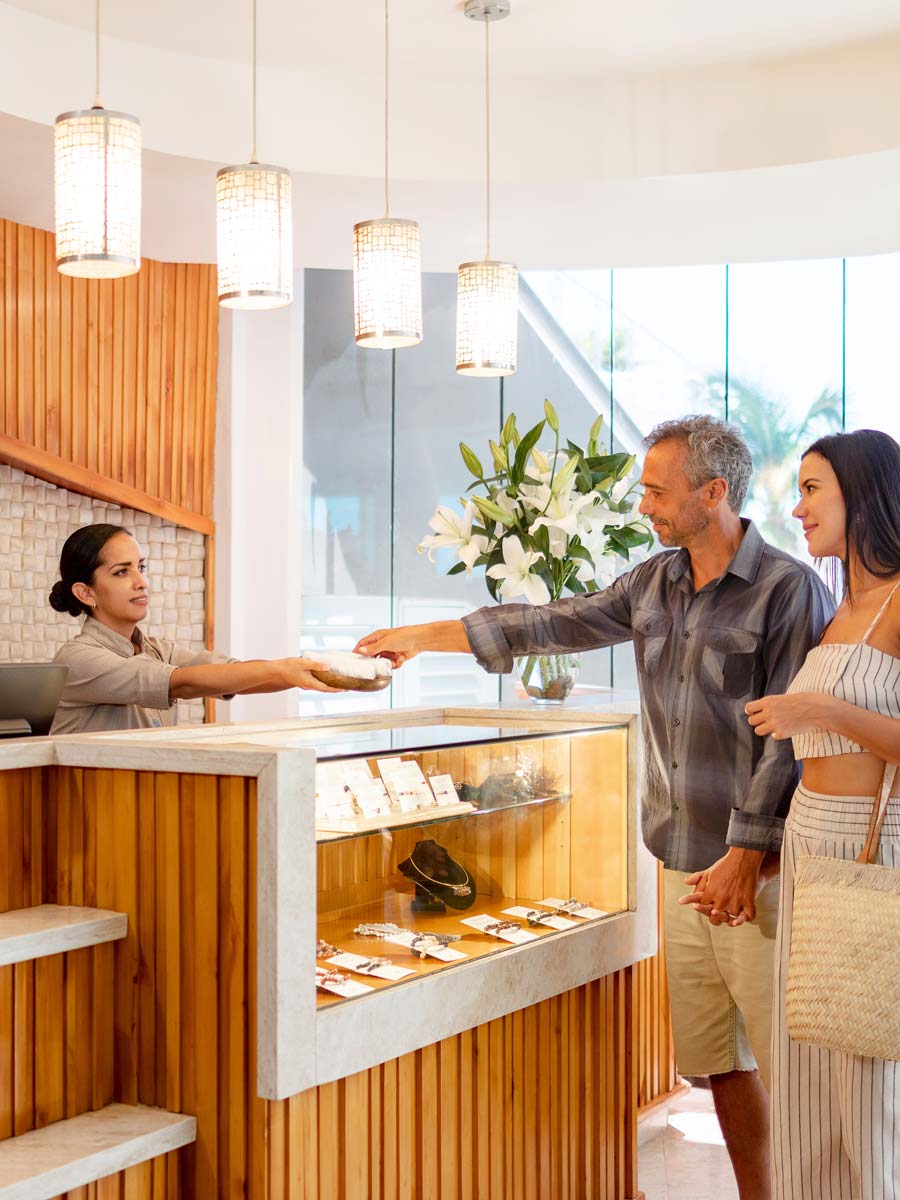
(29,694)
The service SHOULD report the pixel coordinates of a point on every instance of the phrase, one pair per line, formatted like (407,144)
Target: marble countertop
(246,748)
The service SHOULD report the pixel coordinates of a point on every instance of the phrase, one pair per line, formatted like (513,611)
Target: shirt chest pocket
(729,662)
(651,632)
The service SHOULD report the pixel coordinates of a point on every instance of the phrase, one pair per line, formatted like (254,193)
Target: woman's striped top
(855,672)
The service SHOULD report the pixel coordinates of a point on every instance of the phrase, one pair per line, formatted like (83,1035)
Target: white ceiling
(620,130)
(431,38)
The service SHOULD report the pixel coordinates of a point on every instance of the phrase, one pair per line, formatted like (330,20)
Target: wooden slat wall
(115,377)
(657,1075)
(531,1106)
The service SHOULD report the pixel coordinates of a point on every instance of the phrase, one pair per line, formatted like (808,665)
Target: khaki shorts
(720,985)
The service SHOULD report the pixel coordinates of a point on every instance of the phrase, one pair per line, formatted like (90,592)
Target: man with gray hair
(717,619)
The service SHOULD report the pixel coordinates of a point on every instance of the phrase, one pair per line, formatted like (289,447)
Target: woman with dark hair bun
(836,1116)
(118,677)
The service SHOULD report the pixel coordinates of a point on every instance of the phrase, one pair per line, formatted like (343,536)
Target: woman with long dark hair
(119,678)
(835,1117)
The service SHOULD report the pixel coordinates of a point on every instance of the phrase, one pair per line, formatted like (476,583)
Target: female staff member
(118,677)
(836,1117)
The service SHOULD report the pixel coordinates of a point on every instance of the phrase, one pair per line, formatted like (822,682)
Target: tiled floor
(681,1154)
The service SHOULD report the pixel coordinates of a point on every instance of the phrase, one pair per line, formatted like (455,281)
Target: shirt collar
(744,564)
(99,634)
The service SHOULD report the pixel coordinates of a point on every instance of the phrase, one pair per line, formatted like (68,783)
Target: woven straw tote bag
(843,989)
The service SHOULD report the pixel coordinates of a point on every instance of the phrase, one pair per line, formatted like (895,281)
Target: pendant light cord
(253,157)
(97,103)
(487,136)
(386,97)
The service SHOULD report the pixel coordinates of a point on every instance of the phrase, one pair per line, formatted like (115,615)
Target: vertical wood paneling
(534,1105)
(114,376)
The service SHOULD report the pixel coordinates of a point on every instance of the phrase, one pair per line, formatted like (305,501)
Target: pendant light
(97,186)
(254,228)
(487,291)
(387,276)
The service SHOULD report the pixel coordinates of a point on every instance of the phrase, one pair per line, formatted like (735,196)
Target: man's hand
(405,642)
(726,892)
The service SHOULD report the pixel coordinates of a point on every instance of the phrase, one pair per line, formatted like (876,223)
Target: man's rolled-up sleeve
(799,615)
(499,634)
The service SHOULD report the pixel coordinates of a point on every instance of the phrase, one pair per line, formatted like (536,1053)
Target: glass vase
(548,678)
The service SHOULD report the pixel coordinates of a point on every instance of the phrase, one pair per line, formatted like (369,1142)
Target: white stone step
(27,933)
(70,1154)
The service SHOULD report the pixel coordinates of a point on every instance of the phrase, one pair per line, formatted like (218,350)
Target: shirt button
(686,634)
(681,679)
(677,721)
(674,766)
(674,806)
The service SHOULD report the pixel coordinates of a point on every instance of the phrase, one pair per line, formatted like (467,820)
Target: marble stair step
(27,933)
(69,1154)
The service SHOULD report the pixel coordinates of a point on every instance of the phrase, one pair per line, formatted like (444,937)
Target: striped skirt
(835,1117)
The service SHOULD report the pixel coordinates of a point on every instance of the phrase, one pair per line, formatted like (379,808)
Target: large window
(788,351)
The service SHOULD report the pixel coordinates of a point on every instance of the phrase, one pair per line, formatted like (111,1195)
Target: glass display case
(415,873)
(441,844)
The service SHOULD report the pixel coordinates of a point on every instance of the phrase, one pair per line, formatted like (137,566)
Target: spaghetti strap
(880,613)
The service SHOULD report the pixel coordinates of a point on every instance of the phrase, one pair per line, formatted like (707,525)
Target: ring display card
(353,962)
(516,936)
(406,784)
(444,789)
(347,989)
(586,914)
(444,953)
(548,922)
(334,799)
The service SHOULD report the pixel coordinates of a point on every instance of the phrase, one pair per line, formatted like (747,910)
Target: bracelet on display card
(405,783)
(573,908)
(340,984)
(506,931)
(381,968)
(535,917)
(422,947)
(444,789)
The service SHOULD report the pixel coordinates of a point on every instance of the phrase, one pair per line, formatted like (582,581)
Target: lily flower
(515,573)
(454,531)
(509,506)
(558,511)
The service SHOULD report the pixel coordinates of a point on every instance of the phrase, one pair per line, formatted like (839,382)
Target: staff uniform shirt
(114,683)
(708,781)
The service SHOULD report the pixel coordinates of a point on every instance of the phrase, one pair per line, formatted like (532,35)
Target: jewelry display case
(440,845)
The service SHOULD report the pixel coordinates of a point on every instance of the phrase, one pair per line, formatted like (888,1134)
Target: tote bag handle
(879,810)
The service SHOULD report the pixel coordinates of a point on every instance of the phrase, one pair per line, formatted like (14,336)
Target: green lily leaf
(457,569)
(525,446)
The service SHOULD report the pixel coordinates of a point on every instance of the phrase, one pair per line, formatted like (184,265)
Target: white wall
(258,499)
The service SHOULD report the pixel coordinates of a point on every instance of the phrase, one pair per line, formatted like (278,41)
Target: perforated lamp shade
(487,318)
(254,236)
(97,178)
(387,283)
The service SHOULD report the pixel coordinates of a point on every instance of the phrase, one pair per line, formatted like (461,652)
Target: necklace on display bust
(439,879)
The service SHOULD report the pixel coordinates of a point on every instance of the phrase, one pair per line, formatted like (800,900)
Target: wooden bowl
(350,683)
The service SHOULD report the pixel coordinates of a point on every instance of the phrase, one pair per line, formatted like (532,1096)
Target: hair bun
(62,600)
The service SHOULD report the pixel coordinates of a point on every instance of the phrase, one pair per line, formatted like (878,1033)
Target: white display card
(586,914)
(444,953)
(347,989)
(334,800)
(444,789)
(406,784)
(372,798)
(548,922)
(352,962)
(516,936)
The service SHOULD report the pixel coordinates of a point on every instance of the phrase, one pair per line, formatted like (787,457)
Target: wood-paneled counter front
(513,1075)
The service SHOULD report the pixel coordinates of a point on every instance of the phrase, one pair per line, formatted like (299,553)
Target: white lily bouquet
(545,523)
